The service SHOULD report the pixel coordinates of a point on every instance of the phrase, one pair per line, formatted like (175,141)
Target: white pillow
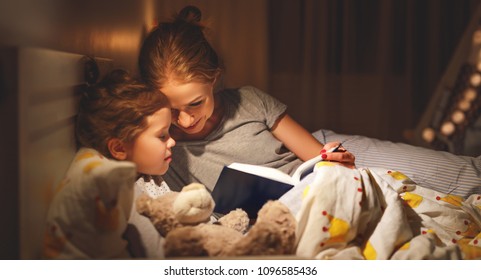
(89,212)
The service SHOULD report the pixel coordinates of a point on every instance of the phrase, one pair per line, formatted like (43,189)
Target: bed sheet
(380,213)
(436,170)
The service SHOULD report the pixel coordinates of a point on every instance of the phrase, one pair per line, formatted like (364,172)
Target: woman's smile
(192,126)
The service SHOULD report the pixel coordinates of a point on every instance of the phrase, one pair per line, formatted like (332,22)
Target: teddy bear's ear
(143,205)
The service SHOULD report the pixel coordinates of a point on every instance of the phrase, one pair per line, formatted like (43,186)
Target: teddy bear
(184,219)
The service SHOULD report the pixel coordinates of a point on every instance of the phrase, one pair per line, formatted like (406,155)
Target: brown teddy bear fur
(273,233)
(165,216)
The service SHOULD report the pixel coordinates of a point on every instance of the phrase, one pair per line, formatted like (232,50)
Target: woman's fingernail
(324,156)
(323,151)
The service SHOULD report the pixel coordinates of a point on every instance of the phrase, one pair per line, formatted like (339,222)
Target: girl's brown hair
(179,51)
(116,107)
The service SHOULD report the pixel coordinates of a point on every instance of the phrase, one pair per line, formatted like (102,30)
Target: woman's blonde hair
(179,51)
(116,107)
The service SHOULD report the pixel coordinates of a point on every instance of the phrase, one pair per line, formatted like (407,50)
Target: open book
(250,186)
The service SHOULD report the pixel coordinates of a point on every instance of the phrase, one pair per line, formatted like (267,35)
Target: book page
(263,171)
(305,166)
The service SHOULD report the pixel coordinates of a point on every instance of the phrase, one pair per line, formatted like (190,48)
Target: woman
(215,127)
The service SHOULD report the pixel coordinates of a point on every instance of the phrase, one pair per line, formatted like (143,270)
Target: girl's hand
(342,156)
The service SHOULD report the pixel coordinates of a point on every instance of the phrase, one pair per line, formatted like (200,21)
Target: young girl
(123,120)
(216,129)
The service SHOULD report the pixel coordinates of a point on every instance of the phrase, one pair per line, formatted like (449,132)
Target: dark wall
(9,200)
(107,28)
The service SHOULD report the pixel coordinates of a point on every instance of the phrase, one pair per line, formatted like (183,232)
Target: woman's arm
(298,140)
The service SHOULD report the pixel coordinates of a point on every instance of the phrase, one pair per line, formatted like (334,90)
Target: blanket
(378,213)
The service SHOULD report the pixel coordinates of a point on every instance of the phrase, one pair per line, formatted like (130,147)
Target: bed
(45,83)
(48,80)
(379,213)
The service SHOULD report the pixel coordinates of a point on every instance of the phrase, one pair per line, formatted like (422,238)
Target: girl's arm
(299,141)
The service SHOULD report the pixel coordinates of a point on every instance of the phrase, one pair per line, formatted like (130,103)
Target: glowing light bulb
(470,94)
(448,128)
(464,105)
(458,117)
(477,37)
(428,134)
(475,79)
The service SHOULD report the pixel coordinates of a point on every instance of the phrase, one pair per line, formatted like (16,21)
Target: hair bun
(190,14)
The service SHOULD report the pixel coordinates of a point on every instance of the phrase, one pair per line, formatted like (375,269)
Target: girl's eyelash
(197,103)
(164,136)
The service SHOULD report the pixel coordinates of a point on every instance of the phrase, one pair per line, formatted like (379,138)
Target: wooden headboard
(45,85)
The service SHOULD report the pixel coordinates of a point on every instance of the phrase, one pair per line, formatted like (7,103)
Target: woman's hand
(342,156)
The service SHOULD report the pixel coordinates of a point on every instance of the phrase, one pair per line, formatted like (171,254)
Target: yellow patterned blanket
(381,214)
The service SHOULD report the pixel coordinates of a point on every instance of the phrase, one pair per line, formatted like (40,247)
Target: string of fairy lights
(460,106)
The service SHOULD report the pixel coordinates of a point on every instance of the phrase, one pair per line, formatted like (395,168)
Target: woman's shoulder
(251,90)
(251,96)
(242,90)
(246,93)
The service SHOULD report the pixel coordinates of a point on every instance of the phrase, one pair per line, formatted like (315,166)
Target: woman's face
(192,108)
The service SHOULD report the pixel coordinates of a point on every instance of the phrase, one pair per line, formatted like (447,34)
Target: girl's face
(192,108)
(150,151)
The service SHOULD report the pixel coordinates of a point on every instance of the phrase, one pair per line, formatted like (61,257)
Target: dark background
(364,67)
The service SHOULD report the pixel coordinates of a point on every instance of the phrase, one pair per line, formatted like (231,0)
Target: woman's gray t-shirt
(243,135)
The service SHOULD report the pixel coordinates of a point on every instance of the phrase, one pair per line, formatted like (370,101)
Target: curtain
(361,66)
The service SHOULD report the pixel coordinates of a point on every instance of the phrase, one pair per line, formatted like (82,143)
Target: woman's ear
(117,149)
